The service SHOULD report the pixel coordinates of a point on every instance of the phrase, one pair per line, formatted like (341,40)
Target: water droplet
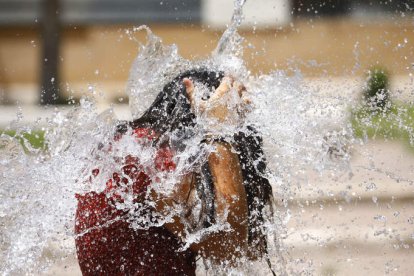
(371,186)
(380,218)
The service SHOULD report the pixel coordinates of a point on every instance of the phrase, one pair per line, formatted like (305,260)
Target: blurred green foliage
(396,123)
(377,94)
(35,138)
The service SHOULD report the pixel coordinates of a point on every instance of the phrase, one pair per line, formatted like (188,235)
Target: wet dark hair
(171,111)
(249,145)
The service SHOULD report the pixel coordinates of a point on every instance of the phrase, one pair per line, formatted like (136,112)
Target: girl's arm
(230,207)
(230,195)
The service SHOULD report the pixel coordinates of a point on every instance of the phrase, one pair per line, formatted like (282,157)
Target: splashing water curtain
(38,186)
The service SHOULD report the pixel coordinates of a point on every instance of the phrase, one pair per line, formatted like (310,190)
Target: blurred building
(315,8)
(319,38)
(86,12)
(259,13)
(28,12)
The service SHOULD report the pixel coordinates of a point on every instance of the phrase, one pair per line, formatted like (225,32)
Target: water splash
(154,66)
(230,41)
(37,202)
(37,188)
(37,196)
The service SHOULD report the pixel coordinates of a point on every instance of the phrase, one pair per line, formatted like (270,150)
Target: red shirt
(106,243)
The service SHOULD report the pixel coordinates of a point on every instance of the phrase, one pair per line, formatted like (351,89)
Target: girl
(231,186)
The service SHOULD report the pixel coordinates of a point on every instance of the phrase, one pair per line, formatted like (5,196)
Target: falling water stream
(38,186)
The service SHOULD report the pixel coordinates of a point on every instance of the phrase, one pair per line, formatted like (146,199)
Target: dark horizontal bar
(23,12)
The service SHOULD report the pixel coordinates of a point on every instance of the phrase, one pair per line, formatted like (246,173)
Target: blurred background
(63,46)
(53,52)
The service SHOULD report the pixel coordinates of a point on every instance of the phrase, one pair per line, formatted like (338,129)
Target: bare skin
(230,195)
